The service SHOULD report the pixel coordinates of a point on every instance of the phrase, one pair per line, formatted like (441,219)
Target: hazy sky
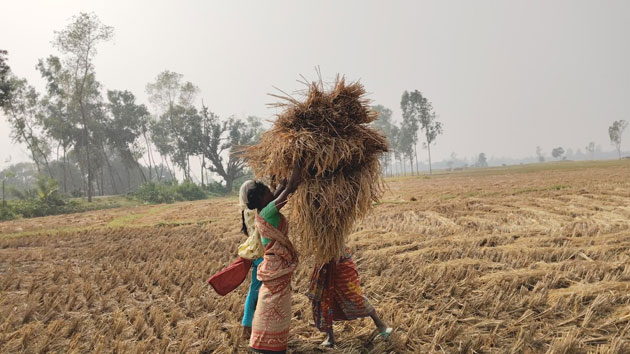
(504,76)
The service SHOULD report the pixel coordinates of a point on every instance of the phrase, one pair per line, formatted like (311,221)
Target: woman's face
(267,197)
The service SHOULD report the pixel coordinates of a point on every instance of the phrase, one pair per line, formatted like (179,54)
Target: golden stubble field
(530,259)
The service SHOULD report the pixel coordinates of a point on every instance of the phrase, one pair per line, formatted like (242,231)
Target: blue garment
(252,296)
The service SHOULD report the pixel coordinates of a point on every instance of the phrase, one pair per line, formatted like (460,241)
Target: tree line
(96,141)
(615,133)
(419,125)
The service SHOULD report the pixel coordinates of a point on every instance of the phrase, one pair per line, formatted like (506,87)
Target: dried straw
(328,134)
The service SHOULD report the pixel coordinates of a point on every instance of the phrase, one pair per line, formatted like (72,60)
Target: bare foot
(329,342)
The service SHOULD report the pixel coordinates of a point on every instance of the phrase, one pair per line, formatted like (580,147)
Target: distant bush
(42,201)
(215,189)
(30,208)
(156,193)
(190,191)
(7,213)
(152,192)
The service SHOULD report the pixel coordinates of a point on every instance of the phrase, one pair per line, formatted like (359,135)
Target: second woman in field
(272,318)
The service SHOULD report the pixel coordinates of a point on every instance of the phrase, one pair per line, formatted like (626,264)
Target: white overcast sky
(504,76)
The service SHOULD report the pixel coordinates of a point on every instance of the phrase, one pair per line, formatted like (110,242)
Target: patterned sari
(336,294)
(272,319)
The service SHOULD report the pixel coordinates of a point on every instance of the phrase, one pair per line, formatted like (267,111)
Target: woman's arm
(279,188)
(293,183)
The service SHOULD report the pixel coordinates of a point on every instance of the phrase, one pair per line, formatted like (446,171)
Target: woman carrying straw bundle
(252,249)
(272,316)
(250,255)
(329,132)
(336,295)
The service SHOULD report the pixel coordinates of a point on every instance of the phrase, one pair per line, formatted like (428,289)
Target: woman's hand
(295,179)
(294,182)
(280,188)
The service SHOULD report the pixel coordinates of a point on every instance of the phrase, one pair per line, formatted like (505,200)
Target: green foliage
(78,42)
(190,191)
(220,138)
(215,188)
(418,114)
(5,83)
(157,193)
(411,105)
(48,191)
(30,208)
(152,192)
(177,131)
(128,121)
(389,129)
(43,201)
(7,213)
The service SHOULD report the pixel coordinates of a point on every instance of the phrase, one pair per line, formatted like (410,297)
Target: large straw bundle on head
(327,133)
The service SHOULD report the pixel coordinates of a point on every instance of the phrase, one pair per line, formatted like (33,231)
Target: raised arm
(279,188)
(292,184)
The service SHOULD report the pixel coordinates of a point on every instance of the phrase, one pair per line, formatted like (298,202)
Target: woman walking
(272,317)
(336,295)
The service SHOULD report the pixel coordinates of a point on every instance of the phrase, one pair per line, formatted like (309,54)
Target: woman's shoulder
(270,209)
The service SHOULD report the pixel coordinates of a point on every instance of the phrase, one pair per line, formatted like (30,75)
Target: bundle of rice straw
(328,134)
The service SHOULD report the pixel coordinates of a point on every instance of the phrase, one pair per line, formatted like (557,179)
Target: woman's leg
(380,324)
(250,304)
(330,339)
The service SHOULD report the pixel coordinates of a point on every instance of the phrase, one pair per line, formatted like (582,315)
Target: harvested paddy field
(527,259)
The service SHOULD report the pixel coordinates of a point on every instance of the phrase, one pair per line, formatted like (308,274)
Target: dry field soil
(526,259)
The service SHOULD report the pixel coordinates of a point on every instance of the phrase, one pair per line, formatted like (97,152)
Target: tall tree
(431,127)
(186,128)
(125,129)
(389,129)
(420,111)
(615,131)
(21,104)
(68,100)
(62,123)
(406,144)
(173,100)
(590,148)
(222,143)
(23,114)
(540,154)
(176,135)
(558,153)
(394,145)
(166,91)
(482,160)
(78,42)
(410,104)
(5,83)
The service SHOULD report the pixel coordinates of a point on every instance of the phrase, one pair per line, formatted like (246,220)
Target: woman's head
(255,195)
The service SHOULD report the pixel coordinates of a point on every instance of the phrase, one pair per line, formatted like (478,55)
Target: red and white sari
(272,319)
